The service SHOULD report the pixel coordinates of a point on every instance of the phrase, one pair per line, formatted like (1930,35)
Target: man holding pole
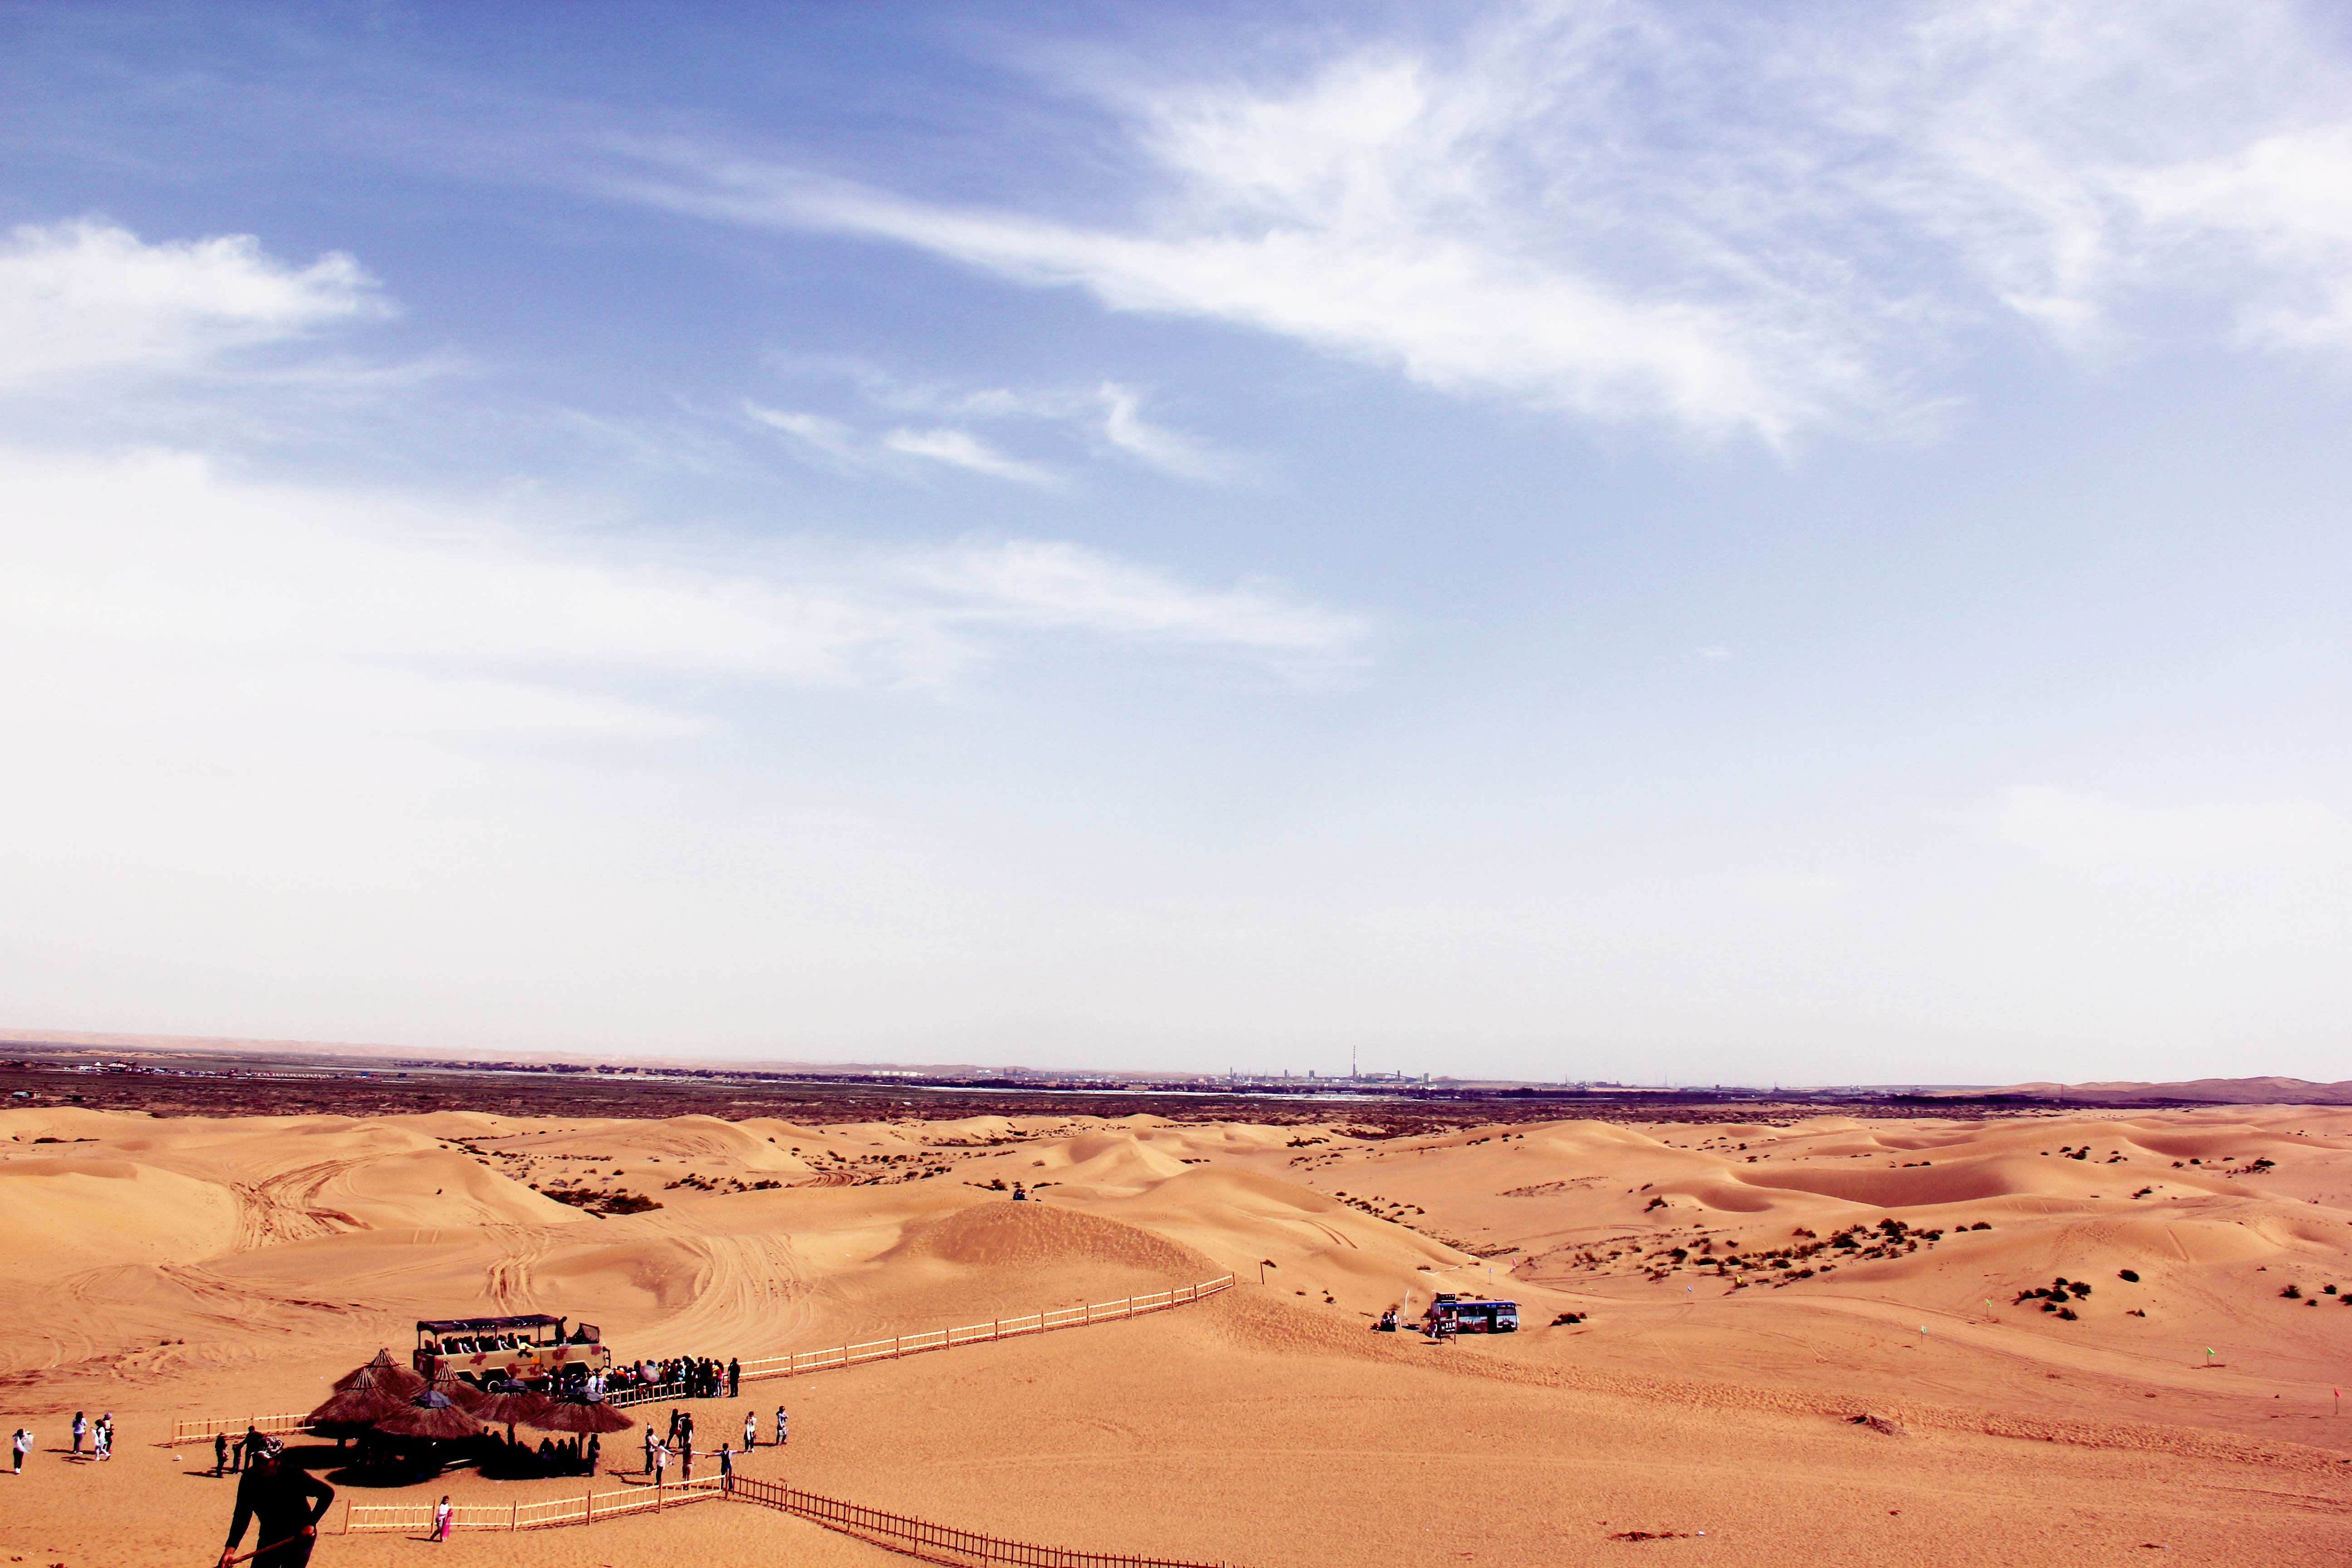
(284,1501)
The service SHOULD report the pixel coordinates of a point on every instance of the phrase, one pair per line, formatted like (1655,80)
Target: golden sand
(1829,1269)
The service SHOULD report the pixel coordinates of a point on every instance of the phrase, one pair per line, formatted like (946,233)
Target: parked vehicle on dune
(1473,1315)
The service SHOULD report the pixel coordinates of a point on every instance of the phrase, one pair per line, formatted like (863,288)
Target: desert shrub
(2132,1275)
(2067,1313)
(2293,1292)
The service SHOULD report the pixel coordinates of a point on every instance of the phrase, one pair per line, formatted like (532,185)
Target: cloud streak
(88,297)
(1729,222)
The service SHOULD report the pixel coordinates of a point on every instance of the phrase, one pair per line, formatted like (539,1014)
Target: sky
(1667,542)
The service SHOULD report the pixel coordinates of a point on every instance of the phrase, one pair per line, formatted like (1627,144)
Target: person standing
(750,1430)
(442,1514)
(649,1448)
(249,1446)
(19,1444)
(104,1445)
(220,1453)
(81,1427)
(734,1378)
(726,1464)
(661,1462)
(685,1460)
(285,1503)
(780,1433)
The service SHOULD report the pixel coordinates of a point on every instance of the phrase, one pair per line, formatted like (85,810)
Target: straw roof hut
(457,1390)
(505,1409)
(429,1415)
(388,1376)
(349,1411)
(581,1416)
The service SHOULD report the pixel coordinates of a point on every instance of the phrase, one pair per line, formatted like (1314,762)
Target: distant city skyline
(1554,541)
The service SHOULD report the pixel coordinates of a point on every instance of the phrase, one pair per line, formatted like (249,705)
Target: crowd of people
(519,1460)
(689,1377)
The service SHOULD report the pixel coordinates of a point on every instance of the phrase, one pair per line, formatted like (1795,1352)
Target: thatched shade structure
(505,1409)
(353,1410)
(457,1390)
(388,1376)
(429,1415)
(581,1416)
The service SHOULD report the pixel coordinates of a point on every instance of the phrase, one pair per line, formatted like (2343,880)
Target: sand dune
(1743,1289)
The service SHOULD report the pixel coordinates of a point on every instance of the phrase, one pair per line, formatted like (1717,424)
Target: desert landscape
(2021,1339)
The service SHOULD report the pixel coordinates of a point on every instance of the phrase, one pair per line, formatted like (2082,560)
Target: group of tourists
(696,1377)
(98,1435)
(230,1457)
(518,1461)
(678,1444)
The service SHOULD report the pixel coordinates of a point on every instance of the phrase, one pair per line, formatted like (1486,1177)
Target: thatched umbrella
(388,1375)
(581,1416)
(353,1410)
(510,1403)
(429,1415)
(457,1390)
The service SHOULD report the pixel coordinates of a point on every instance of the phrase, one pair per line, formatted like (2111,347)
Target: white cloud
(155,584)
(1154,445)
(85,297)
(962,450)
(829,440)
(2288,200)
(1110,414)
(2077,826)
(1050,585)
(1730,220)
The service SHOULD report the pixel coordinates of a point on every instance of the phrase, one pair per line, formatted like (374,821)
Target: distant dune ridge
(2202,1090)
(2107,1328)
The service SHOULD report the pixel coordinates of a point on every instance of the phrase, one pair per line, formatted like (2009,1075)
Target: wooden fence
(919,1537)
(379,1519)
(801,1362)
(202,1428)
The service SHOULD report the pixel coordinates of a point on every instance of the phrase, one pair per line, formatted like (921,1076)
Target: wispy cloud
(962,450)
(1109,416)
(159,572)
(85,297)
(2077,826)
(157,586)
(1732,221)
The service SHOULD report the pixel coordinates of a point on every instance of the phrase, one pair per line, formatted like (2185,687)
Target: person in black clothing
(734,1377)
(277,1498)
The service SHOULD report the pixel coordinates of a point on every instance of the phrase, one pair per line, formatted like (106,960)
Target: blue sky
(1689,543)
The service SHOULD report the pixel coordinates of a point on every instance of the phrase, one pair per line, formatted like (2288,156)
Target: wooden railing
(377,1518)
(919,1537)
(204,1428)
(801,1362)
(200,1429)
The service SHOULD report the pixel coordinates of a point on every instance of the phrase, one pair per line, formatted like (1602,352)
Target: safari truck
(533,1348)
(1473,1315)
